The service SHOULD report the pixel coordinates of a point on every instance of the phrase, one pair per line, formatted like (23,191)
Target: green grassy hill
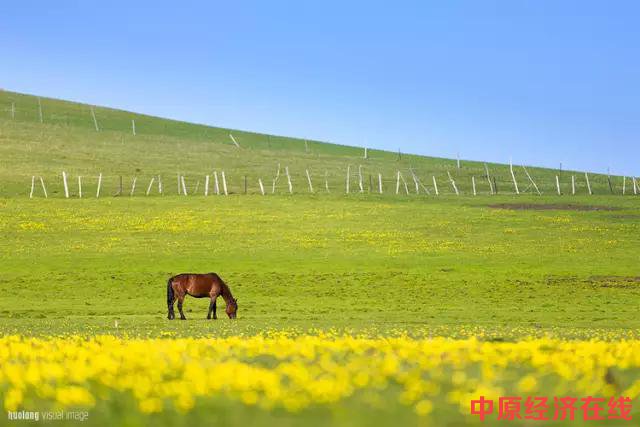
(43,137)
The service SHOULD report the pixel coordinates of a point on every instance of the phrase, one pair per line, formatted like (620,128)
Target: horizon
(534,84)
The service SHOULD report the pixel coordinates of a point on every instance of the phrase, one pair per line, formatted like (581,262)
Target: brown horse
(199,286)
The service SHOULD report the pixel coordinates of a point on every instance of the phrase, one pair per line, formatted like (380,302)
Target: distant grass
(67,140)
(360,263)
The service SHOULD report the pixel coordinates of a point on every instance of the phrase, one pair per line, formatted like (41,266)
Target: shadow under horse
(208,285)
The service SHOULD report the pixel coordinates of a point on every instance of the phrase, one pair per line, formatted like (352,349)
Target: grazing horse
(199,286)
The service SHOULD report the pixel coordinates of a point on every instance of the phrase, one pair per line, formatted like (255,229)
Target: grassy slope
(67,140)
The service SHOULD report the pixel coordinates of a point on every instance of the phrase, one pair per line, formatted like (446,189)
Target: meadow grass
(320,262)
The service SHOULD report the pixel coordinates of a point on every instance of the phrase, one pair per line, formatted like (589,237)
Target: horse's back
(197,284)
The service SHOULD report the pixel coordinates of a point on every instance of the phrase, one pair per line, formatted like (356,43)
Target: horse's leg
(172,315)
(180,300)
(212,307)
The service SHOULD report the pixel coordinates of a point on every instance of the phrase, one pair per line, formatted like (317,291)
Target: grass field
(436,299)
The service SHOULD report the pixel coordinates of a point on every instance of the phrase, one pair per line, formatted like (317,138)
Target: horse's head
(232,309)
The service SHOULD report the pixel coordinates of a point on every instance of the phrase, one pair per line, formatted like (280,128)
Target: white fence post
(33,184)
(532,181)
(46,196)
(261,186)
(406,189)
(79,187)
(286,169)
(398,183)
(635,186)
(133,127)
(326,181)
(453,184)
(224,184)
(184,185)
(64,180)
(40,110)
(573,185)
(309,180)
(473,184)
(216,185)
(13,110)
(99,185)
(206,185)
(159,185)
(133,185)
(586,175)
(624,184)
(360,179)
(95,121)
(348,177)
(234,140)
(513,176)
(435,185)
(153,178)
(558,185)
(486,168)
(366,154)
(380,183)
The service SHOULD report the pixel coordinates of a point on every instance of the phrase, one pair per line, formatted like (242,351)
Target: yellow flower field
(294,372)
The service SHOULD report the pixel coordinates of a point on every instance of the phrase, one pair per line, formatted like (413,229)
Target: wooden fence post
(635,186)
(79,187)
(95,121)
(453,184)
(586,175)
(406,189)
(33,184)
(99,185)
(184,186)
(348,177)
(573,185)
(398,183)
(133,186)
(486,169)
(532,181)
(473,184)
(224,184)
(624,184)
(40,110)
(64,180)
(133,127)
(159,185)
(380,183)
(234,141)
(360,179)
(309,180)
(513,176)
(326,181)
(558,185)
(206,185)
(366,154)
(435,185)
(286,169)
(150,185)
(261,186)
(44,189)
(216,185)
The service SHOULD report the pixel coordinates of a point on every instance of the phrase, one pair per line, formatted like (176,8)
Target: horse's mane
(226,291)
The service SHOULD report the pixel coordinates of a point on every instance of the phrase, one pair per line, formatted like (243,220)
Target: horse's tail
(169,293)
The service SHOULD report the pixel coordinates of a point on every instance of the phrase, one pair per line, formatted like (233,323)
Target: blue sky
(541,81)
